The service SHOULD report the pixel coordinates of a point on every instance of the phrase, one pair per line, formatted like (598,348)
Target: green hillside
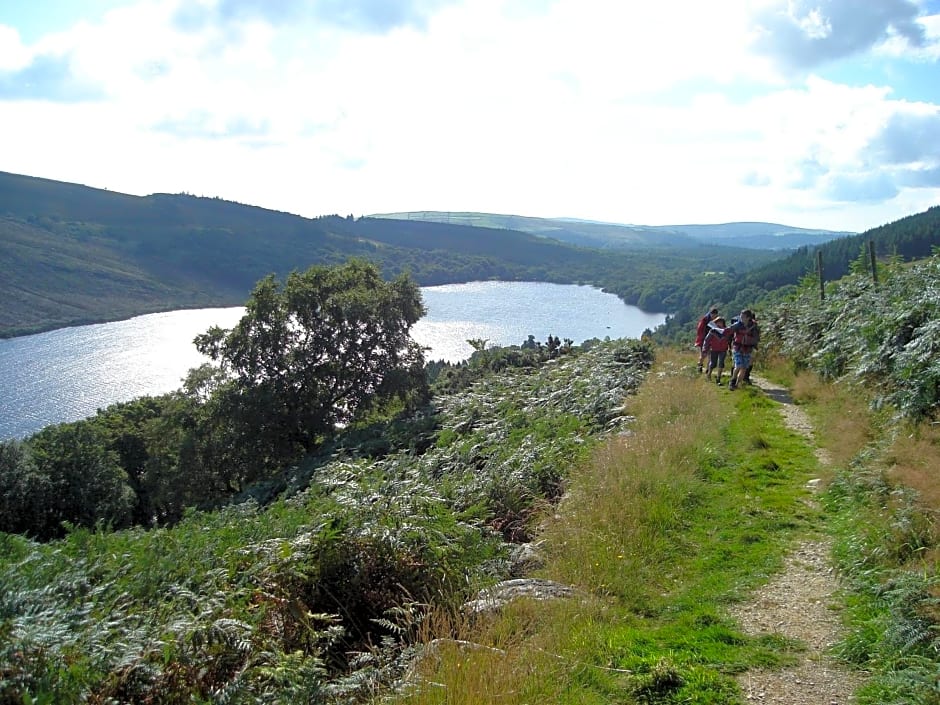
(50,281)
(657,504)
(78,254)
(583,233)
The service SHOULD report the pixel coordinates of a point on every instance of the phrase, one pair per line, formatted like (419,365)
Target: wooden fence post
(819,272)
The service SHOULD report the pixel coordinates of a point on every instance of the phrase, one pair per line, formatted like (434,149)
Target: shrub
(64,475)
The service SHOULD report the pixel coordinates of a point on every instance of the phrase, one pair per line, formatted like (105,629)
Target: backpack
(746,337)
(715,341)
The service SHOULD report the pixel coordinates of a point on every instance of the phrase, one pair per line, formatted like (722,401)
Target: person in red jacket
(701,330)
(745,335)
(715,347)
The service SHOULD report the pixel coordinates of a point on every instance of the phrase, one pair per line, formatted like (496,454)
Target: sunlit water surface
(69,374)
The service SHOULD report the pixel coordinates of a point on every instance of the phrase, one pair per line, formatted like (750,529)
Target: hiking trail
(799,603)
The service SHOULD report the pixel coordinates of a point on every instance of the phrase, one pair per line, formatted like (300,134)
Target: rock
(496,597)
(524,558)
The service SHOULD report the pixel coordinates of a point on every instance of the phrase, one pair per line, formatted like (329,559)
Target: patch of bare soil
(798,604)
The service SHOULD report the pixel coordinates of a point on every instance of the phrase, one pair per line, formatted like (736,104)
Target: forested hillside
(732,290)
(78,255)
(74,254)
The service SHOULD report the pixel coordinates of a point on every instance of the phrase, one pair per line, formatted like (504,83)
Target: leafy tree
(77,479)
(186,465)
(22,489)
(310,355)
(126,426)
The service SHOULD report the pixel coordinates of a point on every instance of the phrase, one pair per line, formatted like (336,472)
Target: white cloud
(803,34)
(13,55)
(897,46)
(634,112)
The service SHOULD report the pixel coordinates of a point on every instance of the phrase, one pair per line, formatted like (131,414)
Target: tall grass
(623,524)
(659,531)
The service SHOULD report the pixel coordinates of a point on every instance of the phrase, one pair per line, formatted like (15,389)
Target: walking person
(715,347)
(701,330)
(745,335)
(747,373)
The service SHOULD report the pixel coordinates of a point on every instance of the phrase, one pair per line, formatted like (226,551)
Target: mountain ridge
(606,235)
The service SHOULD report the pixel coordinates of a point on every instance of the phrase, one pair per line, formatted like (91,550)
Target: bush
(65,475)
(22,489)
(885,336)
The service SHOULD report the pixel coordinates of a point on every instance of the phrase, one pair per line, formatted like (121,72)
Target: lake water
(68,374)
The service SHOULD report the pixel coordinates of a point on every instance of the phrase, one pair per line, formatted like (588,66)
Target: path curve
(799,604)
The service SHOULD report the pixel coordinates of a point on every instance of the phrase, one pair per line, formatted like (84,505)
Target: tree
(23,491)
(309,356)
(184,466)
(77,479)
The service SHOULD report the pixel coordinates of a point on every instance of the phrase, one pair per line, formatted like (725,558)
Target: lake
(68,374)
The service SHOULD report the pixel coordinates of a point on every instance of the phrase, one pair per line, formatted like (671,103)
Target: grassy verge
(658,531)
(883,507)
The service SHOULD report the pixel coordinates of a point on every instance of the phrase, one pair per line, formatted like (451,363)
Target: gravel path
(798,604)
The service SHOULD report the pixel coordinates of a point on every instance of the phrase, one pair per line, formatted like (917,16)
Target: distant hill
(589,233)
(910,238)
(576,232)
(762,236)
(73,254)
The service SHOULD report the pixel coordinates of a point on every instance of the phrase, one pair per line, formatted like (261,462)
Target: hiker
(701,330)
(747,371)
(715,346)
(746,379)
(745,337)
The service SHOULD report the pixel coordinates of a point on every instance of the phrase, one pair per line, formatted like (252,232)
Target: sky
(809,113)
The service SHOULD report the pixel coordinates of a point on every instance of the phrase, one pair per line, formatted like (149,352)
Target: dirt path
(798,603)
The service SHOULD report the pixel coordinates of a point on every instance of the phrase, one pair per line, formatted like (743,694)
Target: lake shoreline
(16,331)
(70,372)
(97,320)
